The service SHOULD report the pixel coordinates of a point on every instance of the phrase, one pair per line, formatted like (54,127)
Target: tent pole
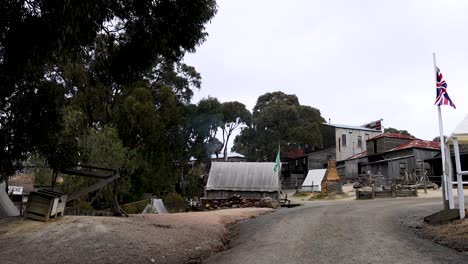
(461,198)
(449,169)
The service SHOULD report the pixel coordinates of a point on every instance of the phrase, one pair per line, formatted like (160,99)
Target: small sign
(16,190)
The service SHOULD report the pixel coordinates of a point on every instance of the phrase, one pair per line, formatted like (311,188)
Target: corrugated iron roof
(243,176)
(418,143)
(392,135)
(359,155)
(230,155)
(352,127)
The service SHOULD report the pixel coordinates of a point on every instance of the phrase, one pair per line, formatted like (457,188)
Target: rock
(268,202)
(443,216)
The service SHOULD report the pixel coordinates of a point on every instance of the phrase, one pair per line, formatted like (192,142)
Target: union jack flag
(442,97)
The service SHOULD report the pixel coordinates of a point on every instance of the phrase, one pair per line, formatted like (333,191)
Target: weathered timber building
(391,155)
(340,142)
(436,165)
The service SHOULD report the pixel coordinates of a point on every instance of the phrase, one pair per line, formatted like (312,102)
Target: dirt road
(162,239)
(372,231)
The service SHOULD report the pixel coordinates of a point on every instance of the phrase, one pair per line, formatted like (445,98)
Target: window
(359,141)
(343,140)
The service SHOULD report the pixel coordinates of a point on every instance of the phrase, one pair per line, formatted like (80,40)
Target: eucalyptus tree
(279,120)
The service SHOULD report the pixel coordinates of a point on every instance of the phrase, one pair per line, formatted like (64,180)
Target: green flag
(278,161)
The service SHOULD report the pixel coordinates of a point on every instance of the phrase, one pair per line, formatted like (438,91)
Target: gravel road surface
(369,231)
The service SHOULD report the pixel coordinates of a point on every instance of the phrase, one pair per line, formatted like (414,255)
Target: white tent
(461,132)
(459,135)
(7,208)
(313,181)
(155,206)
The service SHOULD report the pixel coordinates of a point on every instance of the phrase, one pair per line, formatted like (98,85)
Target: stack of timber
(393,192)
(235,201)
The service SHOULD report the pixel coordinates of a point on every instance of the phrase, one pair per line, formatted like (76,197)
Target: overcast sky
(356,61)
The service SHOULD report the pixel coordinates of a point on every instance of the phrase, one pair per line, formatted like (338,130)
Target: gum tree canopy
(53,54)
(279,118)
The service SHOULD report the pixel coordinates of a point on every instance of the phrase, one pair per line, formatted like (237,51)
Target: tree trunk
(226,145)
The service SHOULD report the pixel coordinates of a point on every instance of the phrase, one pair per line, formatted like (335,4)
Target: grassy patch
(302,194)
(320,196)
(135,207)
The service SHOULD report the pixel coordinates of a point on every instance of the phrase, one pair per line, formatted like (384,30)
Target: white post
(461,198)
(448,161)
(442,143)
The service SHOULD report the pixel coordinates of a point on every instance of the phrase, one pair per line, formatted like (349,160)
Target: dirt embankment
(453,234)
(168,238)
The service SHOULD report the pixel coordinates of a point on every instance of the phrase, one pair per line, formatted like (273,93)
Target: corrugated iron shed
(243,176)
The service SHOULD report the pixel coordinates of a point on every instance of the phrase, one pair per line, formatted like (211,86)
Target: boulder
(268,202)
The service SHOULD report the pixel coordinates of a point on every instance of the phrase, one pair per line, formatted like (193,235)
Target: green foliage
(397,131)
(175,203)
(278,118)
(93,65)
(83,205)
(135,207)
(195,181)
(103,148)
(234,115)
(42,174)
(206,118)
(437,139)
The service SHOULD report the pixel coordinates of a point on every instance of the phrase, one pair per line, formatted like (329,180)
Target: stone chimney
(331,183)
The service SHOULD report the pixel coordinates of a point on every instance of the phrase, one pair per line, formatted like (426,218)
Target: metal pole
(461,198)
(442,147)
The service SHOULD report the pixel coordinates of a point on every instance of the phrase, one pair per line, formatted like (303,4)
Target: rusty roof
(418,143)
(392,135)
(359,155)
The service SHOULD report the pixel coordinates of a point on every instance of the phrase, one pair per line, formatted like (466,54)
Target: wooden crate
(40,206)
(58,209)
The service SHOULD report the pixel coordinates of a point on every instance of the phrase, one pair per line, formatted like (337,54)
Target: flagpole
(442,147)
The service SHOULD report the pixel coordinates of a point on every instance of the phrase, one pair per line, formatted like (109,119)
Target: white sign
(16,190)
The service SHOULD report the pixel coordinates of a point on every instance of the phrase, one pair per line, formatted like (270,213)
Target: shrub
(175,203)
